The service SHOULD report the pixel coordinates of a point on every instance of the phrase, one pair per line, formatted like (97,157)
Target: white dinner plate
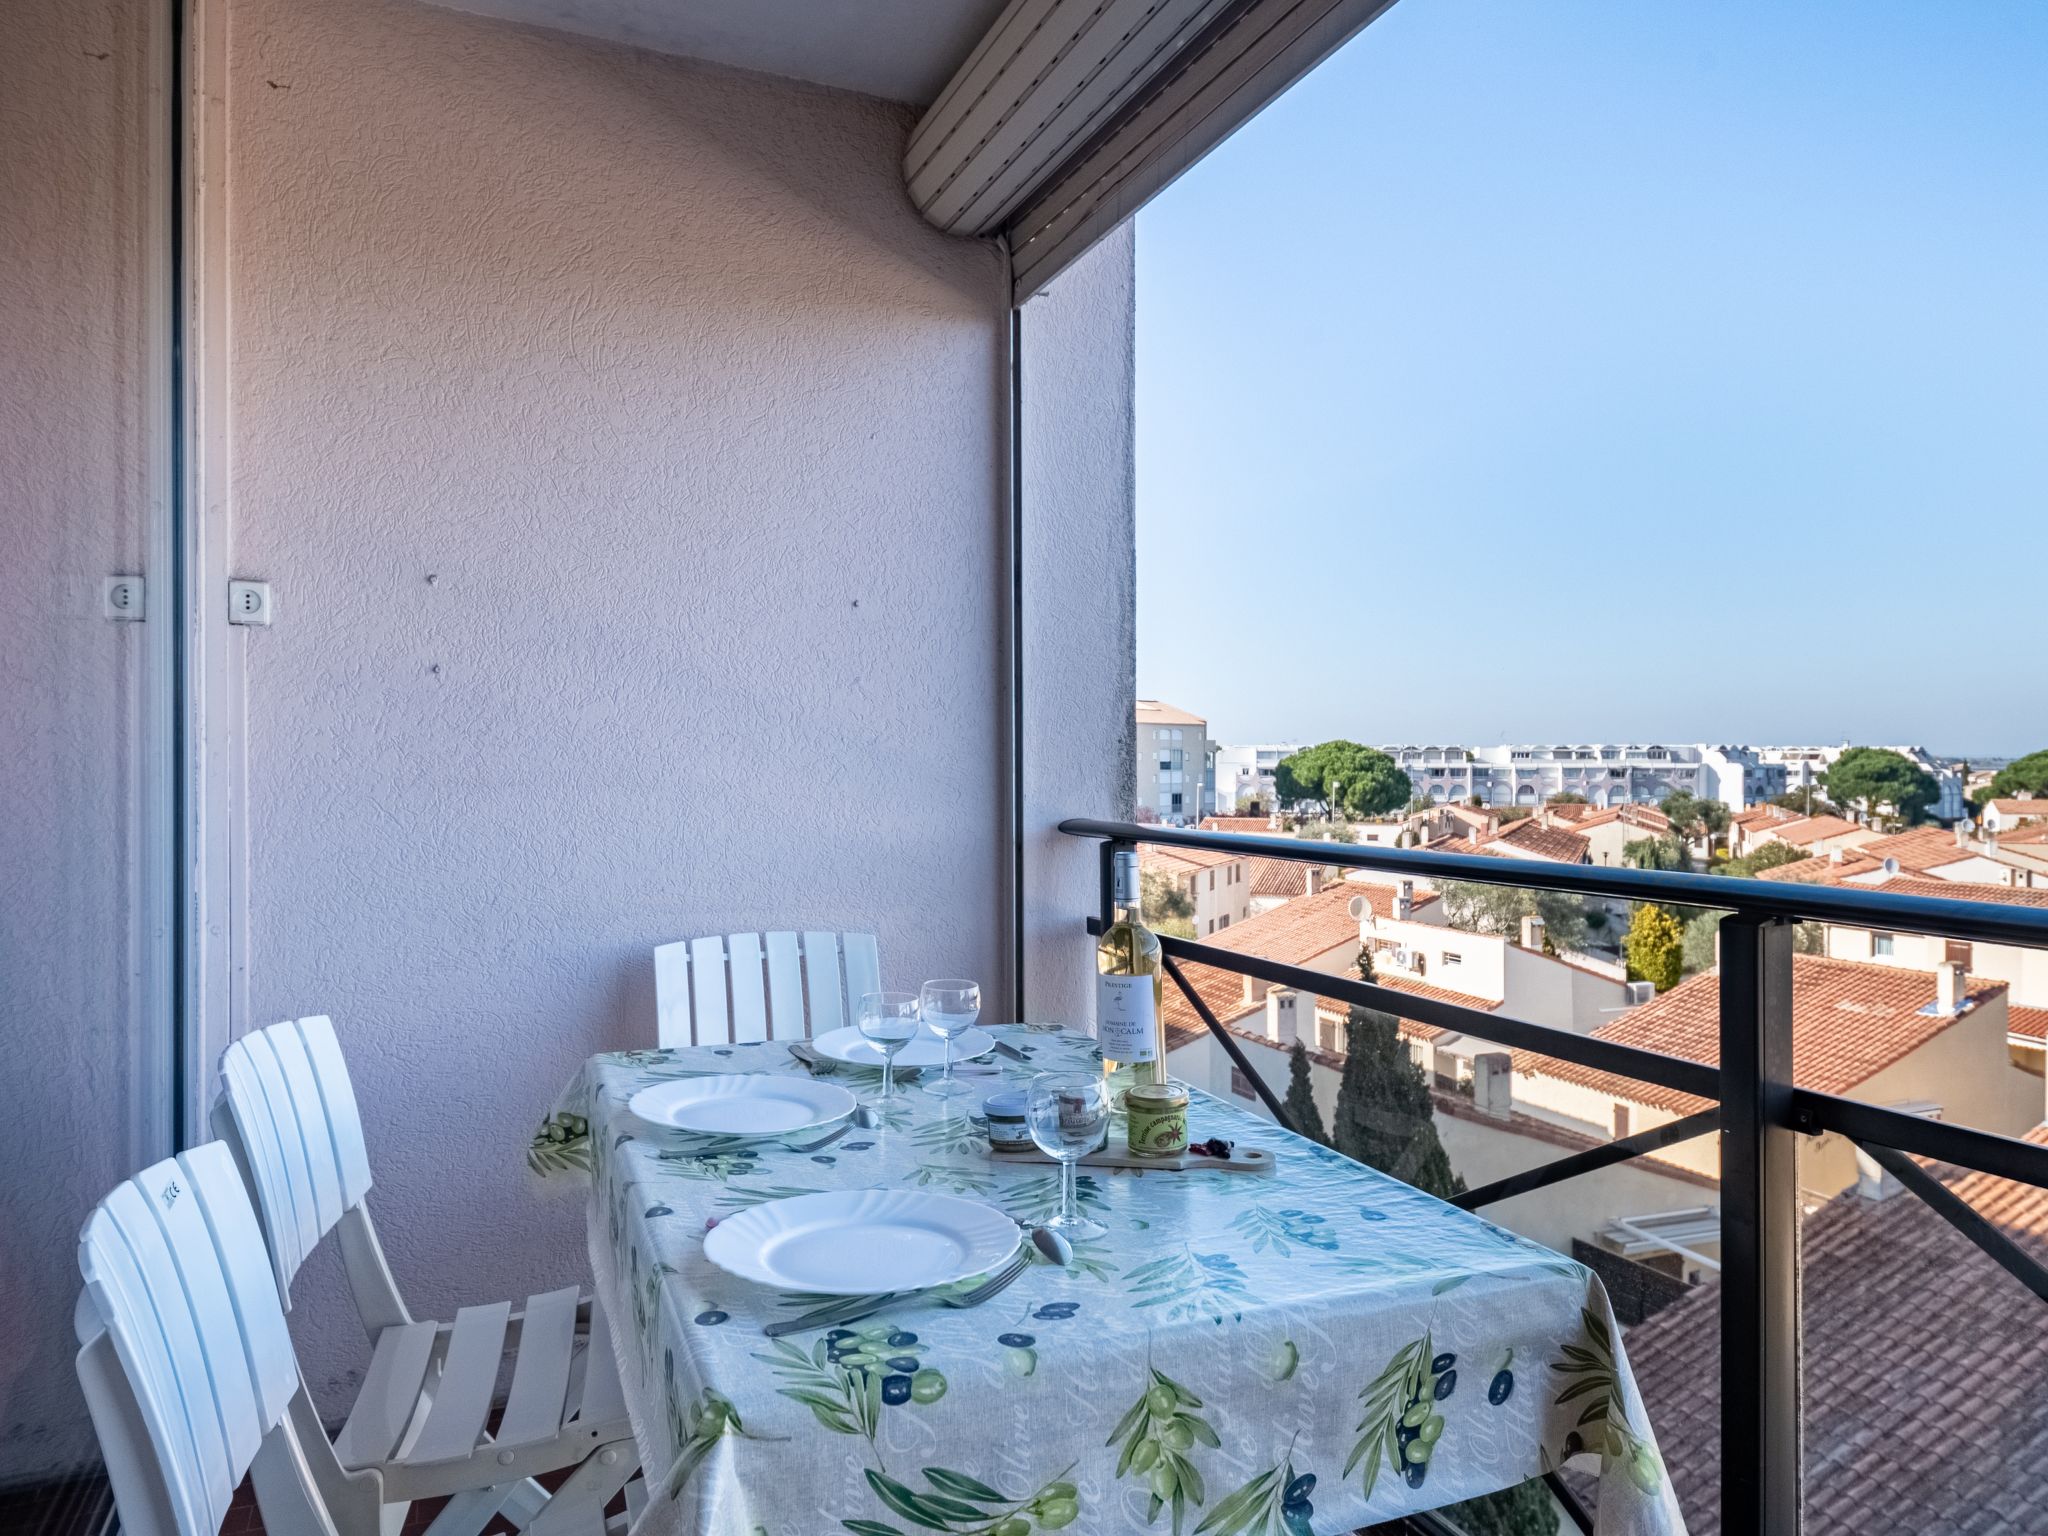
(741,1104)
(924,1050)
(862,1241)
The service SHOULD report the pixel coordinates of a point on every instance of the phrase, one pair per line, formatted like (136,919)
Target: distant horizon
(1630,372)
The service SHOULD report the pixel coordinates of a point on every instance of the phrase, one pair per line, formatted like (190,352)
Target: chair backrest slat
(824,987)
(709,1024)
(863,970)
(672,993)
(173,1266)
(294,1113)
(786,1018)
(749,994)
(761,986)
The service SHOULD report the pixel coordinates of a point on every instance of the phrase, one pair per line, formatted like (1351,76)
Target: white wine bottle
(1130,988)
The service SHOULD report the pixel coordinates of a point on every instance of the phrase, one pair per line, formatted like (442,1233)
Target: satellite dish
(1357,906)
(1890,866)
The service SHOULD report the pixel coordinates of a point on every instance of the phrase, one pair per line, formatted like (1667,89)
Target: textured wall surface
(627,458)
(1080,605)
(74,446)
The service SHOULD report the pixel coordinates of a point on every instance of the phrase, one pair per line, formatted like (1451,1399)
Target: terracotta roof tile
(2019,807)
(1255,824)
(1813,829)
(1531,839)
(1152,712)
(1925,1408)
(1281,877)
(1919,849)
(1850,1019)
(1181,860)
(2029,1023)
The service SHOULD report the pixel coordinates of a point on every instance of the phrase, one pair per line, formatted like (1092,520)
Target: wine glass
(950,1009)
(1068,1113)
(888,1021)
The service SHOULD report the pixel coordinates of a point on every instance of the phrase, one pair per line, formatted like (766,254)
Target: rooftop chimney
(1311,880)
(1532,933)
(1404,901)
(1873,1183)
(1255,990)
(1493,1083)
(1281,1006)
(1950,987)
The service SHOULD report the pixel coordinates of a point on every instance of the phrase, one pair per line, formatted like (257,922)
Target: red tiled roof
(2019,807)
(1963,890)
(1820,871)
(1411,1029)
(1763,815)
(1924,1392)
(1281,877)
(1919,849)
(1462,845)
(1813,829)
(1568,810)
(1534,840)
(1850,1020)
(1237,824)
(2030,1023)
(1181,860)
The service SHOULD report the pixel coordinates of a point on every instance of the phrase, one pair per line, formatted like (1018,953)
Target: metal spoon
(1053,1245)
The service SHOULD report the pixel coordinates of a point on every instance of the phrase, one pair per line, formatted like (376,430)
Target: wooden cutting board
(1241,1160)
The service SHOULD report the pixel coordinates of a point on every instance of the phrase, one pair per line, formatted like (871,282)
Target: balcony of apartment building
(496,492)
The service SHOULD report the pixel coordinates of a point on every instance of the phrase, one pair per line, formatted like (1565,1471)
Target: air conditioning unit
(1401,957)
(1640,992)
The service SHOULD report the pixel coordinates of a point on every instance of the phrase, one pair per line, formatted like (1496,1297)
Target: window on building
(1451,957)
(1330,1036)
(1223,921)
(1620,1121)
(1421,964)
(1241,1085)
(1212,879)
(1880,945)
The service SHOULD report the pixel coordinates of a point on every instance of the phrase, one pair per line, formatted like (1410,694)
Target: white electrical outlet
(123,597)
(249,602)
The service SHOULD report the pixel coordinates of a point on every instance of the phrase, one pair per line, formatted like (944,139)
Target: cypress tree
(1384,1115)
(1300,1102)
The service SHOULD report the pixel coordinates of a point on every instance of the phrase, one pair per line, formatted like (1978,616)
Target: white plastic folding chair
(730,988)
(191,1381)
(288,1114)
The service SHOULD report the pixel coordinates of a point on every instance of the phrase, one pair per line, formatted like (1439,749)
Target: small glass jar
(1156,1120)
(1009,1128)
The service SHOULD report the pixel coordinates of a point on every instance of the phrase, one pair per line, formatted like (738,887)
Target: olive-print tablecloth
(1240,1356)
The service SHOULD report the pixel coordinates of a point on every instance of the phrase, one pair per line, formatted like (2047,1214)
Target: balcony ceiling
(904,50)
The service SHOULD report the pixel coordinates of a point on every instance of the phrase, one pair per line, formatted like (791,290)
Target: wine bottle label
(1126,1026)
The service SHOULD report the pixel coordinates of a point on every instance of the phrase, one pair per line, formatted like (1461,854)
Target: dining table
(1314,1349)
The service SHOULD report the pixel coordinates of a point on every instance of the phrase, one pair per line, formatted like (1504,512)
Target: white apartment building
(1606,773)
(1806,765)
(1245,773)
(1214,883)
(1173,762)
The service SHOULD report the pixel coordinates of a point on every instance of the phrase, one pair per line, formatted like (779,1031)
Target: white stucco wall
(1079,584)
(628,459)
(76,438)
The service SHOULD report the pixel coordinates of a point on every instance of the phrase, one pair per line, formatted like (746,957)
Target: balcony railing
(1759,1110)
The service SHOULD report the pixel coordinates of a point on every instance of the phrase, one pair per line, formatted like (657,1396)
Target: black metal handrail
(1759,1110)
(1854,906)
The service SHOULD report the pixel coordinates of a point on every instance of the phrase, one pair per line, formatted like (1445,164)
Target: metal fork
(841,1313)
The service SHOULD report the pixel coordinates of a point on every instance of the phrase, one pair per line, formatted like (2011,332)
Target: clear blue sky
(1632,369)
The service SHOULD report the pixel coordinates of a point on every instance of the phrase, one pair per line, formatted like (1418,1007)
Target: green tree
(1666,851)
(1694,819)
(1343,778)
(1655,947)
(1165,905)
(1768,856)
(1384,1115)
(1523,1510)
(1877,780)
(1300,1102)
(1501,908)
(1807,800)
(2022,776)
(1700,930)
(1565,797)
